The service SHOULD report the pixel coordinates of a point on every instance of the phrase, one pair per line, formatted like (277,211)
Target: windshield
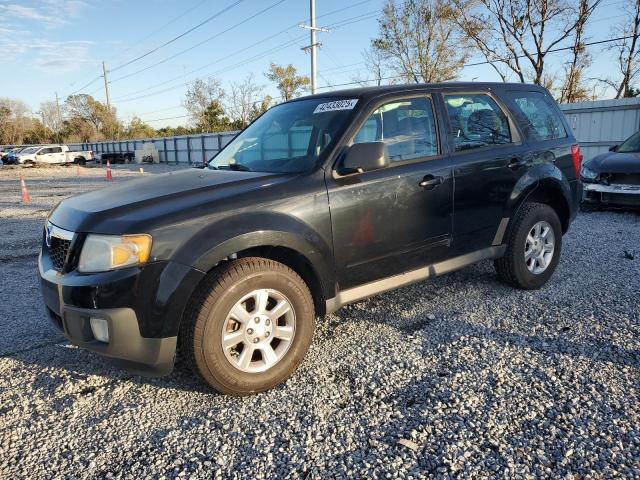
(29,150)
(631,144)
(288,138)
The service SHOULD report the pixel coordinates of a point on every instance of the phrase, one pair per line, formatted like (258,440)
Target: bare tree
(52,117)
(627,50)
(201,95)
(15,121)
(515,36)
(244,96)
(421,40)
(375,65)
(573,89)
(287,80)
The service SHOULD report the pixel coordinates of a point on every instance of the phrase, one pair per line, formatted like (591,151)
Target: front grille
(625,178)
(58,252)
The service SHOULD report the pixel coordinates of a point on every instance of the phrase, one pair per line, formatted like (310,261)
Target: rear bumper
(142,307)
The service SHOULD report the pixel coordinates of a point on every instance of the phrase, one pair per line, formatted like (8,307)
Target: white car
(53,154)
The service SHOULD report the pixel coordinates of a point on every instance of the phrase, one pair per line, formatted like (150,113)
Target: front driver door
(399,218)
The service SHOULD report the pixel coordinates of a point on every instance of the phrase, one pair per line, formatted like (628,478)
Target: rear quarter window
(541,116)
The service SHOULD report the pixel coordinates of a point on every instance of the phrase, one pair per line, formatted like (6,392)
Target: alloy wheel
(258,330)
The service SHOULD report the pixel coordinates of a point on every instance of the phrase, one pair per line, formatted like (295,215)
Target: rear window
(543,119)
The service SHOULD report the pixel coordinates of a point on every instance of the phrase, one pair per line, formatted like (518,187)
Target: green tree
(289,83)
(39,133)
(214,119)
(259,108)
(204,103)
(84,110)
(138,129)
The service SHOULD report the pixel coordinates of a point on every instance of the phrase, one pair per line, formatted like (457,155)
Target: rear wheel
(249,326)
(533,247)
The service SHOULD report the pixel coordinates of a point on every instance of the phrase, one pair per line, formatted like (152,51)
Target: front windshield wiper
(236,166)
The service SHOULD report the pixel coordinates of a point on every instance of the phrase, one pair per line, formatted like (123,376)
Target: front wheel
(249,326)
(533,247)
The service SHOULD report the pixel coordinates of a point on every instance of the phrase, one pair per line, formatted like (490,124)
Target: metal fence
(182,149)
(601,124)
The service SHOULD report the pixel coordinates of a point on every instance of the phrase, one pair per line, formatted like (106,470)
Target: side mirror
(365,157)
(614,148)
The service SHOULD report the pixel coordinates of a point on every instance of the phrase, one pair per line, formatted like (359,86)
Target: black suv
(322,201)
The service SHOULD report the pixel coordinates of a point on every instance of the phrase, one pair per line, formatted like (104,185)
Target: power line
(231,67)
(199,43)
(484,62)
(332,12)
(85,86)
(125,98)
(166,118)
(173,20)
(168,42)
(161,110)
(199,69)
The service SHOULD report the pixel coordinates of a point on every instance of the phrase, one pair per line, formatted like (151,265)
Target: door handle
(429,182)
(516,162)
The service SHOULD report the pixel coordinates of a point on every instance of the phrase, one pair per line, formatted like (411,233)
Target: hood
(614,162)
(158,199)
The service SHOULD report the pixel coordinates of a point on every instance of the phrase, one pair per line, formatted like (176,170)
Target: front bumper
(613,194)
(126,347)
(142,307)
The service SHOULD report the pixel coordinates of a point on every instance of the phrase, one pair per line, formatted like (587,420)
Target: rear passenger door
(57,155)
(44,155)
(397,218)
(488,157)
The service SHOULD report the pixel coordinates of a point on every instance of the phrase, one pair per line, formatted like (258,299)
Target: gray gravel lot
(483,380)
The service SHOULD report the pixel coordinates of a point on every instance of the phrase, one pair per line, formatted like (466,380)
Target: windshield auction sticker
(337,105)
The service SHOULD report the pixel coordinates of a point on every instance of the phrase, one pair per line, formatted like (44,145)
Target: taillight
(576,157)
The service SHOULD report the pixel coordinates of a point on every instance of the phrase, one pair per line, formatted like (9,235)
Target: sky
(153,48)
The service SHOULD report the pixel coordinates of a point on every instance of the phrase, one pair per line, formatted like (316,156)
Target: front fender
(219,240)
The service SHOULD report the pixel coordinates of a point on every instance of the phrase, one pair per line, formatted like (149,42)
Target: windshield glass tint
(631,144)
(30,150)
(288,138)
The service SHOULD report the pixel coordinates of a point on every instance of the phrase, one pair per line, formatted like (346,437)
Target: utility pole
(106,85)
(312,47)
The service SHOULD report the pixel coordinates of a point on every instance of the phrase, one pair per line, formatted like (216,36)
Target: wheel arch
(299,247)
(544,184)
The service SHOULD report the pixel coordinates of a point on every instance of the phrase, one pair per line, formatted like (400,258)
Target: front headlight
(108,252)
(587,173)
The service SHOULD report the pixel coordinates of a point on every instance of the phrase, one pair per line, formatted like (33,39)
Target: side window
(476,121)
(543,119)
(44,151)
(56,149)
(408,128)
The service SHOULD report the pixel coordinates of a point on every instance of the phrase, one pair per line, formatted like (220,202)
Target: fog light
(100,329)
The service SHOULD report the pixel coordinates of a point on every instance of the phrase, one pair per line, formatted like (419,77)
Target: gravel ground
(458,377)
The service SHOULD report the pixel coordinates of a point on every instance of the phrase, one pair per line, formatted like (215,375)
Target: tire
(512,268)
(209,316)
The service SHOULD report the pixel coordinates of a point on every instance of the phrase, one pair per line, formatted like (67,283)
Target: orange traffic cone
(109,176)
(25,194)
